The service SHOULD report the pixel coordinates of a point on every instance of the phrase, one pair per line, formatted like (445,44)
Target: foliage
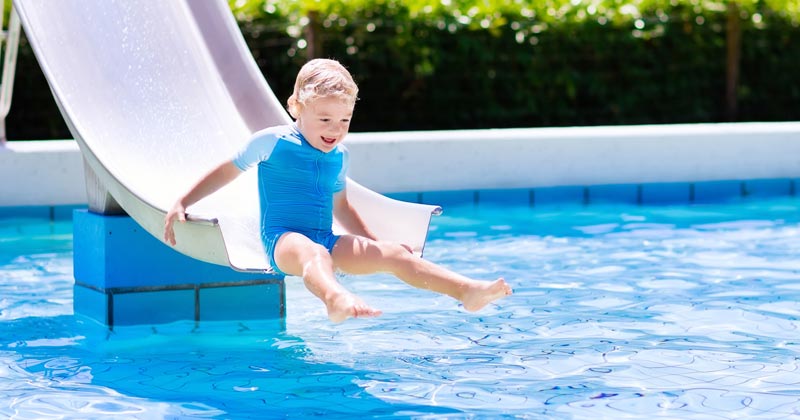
(497,63)
(444,64)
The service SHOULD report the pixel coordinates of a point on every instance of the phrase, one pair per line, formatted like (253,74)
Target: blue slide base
(125,276)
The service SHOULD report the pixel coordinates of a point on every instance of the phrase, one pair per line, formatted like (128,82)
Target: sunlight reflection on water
(618,312)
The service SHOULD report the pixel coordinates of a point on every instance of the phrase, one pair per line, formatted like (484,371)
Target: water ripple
(618,312)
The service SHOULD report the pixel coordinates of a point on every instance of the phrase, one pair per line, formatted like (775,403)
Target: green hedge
(484,63)
(491,63)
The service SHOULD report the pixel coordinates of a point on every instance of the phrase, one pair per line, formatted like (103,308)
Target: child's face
(325,122)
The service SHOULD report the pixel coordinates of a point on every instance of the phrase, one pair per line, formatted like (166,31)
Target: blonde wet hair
(318,78)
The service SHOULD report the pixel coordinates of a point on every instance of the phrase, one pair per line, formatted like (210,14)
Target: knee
(315,253)
(315,259)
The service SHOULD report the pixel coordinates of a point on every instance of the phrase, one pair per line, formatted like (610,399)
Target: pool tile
(242,302)
(616,193)
(666,193)
(449,198)
(35,212)
(513,197)
(65,212)
(559,195)
(411,197)
(153,307)
(716,191)
(768,187)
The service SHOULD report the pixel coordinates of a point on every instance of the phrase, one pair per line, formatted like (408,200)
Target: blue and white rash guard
(296,182)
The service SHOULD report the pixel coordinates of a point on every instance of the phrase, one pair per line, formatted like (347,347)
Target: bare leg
(297,255)
(358,255)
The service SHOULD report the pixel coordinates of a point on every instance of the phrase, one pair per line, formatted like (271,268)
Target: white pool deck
(50,173)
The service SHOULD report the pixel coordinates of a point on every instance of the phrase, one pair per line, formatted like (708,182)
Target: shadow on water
(70,367)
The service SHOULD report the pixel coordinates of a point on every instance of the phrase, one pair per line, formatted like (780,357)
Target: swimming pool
(619,311)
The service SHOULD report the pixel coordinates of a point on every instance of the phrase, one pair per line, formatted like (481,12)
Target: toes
(365,312)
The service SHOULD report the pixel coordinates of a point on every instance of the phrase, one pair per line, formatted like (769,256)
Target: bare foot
(348,305)
(481,294)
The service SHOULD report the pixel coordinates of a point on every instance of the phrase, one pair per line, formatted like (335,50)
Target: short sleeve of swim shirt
(258,149)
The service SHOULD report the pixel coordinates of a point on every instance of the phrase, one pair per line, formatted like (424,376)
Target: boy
(304,165)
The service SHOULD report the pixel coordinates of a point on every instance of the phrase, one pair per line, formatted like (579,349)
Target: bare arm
(212,181)
(348,217)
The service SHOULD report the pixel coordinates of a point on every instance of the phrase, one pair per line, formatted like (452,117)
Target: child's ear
(294,107)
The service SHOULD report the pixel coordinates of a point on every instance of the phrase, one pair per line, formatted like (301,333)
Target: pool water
(619,311)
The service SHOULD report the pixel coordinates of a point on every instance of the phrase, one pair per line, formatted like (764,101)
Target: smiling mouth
(328,140)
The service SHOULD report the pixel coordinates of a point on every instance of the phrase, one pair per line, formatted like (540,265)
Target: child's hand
(177,212)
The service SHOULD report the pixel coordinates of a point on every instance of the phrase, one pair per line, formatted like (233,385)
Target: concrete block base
(124,276)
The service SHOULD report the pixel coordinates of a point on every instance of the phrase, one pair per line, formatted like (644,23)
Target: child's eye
(325,119)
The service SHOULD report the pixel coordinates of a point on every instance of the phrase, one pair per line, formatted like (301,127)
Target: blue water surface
(686,312)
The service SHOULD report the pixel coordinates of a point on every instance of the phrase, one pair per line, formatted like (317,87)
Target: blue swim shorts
(270,239)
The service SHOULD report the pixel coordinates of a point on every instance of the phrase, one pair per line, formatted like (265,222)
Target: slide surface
(156,93)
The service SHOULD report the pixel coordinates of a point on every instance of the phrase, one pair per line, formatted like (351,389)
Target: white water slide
(156,93)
